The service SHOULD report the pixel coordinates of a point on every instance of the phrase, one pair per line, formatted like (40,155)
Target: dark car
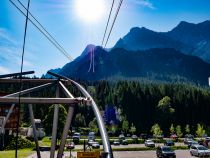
(134,138)
(124,142)
(144,136)
(121,137)
(169,142)
(76,138)
(165,152)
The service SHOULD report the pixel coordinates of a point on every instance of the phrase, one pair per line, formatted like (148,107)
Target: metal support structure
(65,131)
(25,100)
(34,129)
(100,122)
(70,100)
(68,121)
(6,119)
(23,92)
(55,125)
(17,74)
(33,81)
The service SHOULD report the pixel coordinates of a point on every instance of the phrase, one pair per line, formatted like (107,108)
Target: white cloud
(4,70)
(144,3)
(10,53)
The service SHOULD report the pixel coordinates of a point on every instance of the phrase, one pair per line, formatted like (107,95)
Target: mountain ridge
(144,53)
(189,38)
(157,63)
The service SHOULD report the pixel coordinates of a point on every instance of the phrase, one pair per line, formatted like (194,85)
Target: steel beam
(24,100)
(65,131)
(34,130)
(65,90)
(55,125)
(26,91)
(17,74)
(33,81)
(68,121)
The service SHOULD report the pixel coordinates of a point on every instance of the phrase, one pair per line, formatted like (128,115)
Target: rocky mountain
(157,64)
(177,55)
(192,39)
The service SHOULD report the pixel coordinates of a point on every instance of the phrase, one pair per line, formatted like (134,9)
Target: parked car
(70,145)
(174,137)
(134,138)
(190,143)
(90,142)
(207,138)
(144,136)
(187,140)
(189,136)
(121,137)
(95,145)
(159,136)
(165,152)
(40,133)
(116,142)
(91,136)
(199,150)
(206,142)
(76,135)
(169,142)
(149,143)
(124,142)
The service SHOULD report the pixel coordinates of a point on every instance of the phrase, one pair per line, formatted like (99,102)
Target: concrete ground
(126,154)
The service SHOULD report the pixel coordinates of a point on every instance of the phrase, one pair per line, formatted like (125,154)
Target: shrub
(22,144)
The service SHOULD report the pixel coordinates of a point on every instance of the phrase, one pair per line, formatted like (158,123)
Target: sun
(90,10)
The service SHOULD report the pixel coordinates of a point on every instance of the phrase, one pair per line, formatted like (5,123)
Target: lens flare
(90,10)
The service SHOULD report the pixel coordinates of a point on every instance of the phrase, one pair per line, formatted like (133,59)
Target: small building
(12,121)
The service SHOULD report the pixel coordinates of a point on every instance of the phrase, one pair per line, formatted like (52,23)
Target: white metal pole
(68,121)
(34,130)
(55,125)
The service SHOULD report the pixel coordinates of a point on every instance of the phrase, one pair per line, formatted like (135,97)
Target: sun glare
(90,10)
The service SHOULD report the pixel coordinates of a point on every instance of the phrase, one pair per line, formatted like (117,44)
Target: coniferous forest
(137,104)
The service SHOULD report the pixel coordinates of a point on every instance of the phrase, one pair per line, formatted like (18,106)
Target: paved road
(131,145)
(127,154)
(148,154)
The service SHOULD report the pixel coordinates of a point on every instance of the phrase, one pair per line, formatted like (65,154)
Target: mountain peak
(183,25)
(137,29)
(134,29)
(88,48)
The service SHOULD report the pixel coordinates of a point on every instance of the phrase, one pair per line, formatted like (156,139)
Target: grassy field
(11,153)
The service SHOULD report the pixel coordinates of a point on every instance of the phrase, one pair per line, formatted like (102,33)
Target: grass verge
(11,153)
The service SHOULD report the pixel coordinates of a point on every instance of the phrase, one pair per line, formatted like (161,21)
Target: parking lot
(128,154)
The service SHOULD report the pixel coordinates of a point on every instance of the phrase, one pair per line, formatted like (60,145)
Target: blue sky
(61,20)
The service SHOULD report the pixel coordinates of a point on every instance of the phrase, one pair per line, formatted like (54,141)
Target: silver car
(149,143)
(95,145)
(199,150)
